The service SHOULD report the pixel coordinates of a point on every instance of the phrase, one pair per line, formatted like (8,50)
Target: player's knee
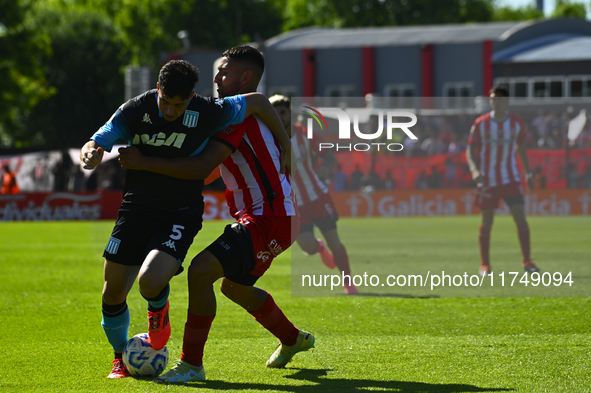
(113,298)
(334,244)
(201,271)
(150,285)
(195,273)
(310,249)
(308,245)
(229,290)
(521,222)
(233,291)
(245,296)
(487,219)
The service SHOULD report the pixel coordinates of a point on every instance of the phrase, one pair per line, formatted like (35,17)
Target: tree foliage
(86,71)
(150,28)
(59,95)
(22,80)
(569,9)
(355,13)
(505,14)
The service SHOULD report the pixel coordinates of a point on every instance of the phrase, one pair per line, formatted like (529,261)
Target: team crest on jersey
(147,119)
(191,118)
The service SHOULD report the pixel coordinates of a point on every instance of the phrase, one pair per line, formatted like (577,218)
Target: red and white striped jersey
(495,143)
(254,184)
(306,184)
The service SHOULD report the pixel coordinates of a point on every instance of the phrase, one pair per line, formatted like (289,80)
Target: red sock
(341,259)
(273,319)
(523,234)
(484,242)
(196,331)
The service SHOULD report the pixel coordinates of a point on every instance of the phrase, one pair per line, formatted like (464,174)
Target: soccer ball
(143,361)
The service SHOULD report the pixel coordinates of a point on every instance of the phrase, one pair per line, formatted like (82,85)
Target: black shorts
(320,212)
(136,234)
(514,200)
(235,252)
(325,224)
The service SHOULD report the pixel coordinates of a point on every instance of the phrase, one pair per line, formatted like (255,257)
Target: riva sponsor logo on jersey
(191,118)
(392,121)
(161,139)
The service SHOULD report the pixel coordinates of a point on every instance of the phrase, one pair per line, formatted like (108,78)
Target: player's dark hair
(500,91)
(251,57)
(279,99)
(178,78)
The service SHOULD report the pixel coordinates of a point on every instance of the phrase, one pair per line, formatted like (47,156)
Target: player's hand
(91,156)
(130,157)
(286,161)
(477,177)
(323,173)
(530,183)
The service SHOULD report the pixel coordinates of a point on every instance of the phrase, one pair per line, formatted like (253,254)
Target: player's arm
(522,153)
(188,168)
(258,104)
(114,130)
(477,177)
(329,162)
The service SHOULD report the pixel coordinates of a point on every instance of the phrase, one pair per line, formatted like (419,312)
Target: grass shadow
(327,385)
(399,295)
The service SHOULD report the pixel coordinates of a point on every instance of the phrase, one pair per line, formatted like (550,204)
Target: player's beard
(227,91)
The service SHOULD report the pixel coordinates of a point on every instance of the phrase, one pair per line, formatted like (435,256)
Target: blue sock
(116,324)
(159,302)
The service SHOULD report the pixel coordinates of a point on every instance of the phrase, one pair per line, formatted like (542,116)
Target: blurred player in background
(496,139)
(315,204)
(261,199)
(160,215)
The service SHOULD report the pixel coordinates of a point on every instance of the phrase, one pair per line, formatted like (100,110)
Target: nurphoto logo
(391,119)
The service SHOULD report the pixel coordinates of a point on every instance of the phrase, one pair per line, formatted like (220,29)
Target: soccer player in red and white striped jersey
(307,184)
(315,204)
(496,139)
(260,197)
(251,188)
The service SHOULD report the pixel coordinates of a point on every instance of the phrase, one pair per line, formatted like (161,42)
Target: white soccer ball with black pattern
(143,361)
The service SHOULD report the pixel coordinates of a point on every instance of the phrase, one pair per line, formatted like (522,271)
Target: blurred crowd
(448,135)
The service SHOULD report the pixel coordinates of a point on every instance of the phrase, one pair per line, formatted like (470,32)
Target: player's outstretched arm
(471,159)
(91,155)
(329,162)
(188,168)
(258,104)
(522,153)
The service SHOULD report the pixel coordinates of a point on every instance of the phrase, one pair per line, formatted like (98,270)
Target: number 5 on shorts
(176,230)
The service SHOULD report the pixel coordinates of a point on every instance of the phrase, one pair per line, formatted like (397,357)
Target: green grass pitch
(50,296)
